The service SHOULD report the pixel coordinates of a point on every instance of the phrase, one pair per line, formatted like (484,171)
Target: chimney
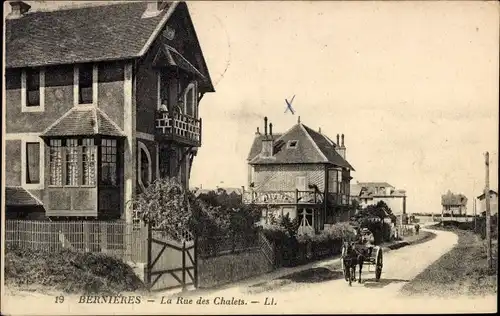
(153,8)
(19,8)
(257,132)
(340,146)
(267,142)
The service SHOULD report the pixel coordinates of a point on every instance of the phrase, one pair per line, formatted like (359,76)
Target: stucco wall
(110,90)
(13,162)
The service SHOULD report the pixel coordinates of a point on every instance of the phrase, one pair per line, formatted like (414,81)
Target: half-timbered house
(100,101)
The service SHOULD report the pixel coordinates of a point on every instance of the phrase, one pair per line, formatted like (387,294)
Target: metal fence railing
(117,238)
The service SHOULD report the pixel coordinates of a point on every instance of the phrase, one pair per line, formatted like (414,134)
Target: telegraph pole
(488,216)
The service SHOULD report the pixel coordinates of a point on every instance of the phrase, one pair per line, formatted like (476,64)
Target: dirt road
(323,290)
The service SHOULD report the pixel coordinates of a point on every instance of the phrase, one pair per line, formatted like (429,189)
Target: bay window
(74,162)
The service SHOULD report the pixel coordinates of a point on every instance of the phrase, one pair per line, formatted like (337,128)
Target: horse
(351,258)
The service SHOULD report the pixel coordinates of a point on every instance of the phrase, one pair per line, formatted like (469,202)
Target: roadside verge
(279,274)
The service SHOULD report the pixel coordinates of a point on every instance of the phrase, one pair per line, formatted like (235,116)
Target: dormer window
(292,143)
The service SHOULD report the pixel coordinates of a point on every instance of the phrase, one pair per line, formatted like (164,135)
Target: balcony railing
(282,197)
(178,126)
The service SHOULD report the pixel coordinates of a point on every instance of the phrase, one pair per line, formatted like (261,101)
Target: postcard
(249,157)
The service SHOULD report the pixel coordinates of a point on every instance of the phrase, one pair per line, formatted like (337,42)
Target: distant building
(453,204)
(370,193)
(481,208)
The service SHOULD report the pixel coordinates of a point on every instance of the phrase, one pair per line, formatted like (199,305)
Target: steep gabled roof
(81,121)
(491,193)
(312,147)
(18,196)
(87,34)
(76,35)
(452,199)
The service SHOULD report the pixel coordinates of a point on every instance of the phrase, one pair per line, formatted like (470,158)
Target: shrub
(69,271)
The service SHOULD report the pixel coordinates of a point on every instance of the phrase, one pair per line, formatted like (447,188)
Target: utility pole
(488,217)
(475,215)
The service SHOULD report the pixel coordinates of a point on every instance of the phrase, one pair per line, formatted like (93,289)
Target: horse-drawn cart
(355,254)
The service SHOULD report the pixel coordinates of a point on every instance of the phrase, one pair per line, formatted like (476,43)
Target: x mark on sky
(289,105)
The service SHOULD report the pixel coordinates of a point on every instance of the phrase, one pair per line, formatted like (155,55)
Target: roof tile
(79,35)
(312,147)
(81,122)
(17,196)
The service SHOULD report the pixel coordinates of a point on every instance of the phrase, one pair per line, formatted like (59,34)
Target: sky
(412,85)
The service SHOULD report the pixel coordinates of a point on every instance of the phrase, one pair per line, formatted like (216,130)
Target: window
(32,163)
(108,162)
(32,87)
(73,162)
(190,100)
(85,84)
(292,143)
(332,181)
(88,161)
(32,90)
(169,91)
(300,183)
(144,159)
(55,162)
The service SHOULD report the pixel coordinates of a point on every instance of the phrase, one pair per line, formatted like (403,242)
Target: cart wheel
(378,264)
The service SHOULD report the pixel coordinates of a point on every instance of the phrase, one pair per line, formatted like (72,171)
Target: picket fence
(116,238)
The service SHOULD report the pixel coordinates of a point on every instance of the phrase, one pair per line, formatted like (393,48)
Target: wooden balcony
(282,197)
(178,127)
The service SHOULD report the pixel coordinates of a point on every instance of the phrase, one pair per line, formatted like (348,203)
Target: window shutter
(301,183)
(32,162)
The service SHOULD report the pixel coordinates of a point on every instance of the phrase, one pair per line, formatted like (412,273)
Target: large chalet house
(100,101)
(453,204)
(302,173)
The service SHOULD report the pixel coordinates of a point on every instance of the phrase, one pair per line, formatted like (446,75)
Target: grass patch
(462,271)
(69,272)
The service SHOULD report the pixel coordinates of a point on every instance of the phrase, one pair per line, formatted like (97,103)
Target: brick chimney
(341,150)
(19,8)
(267,141)
(153,8)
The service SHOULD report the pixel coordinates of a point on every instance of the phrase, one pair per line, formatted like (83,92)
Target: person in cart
(367,240)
